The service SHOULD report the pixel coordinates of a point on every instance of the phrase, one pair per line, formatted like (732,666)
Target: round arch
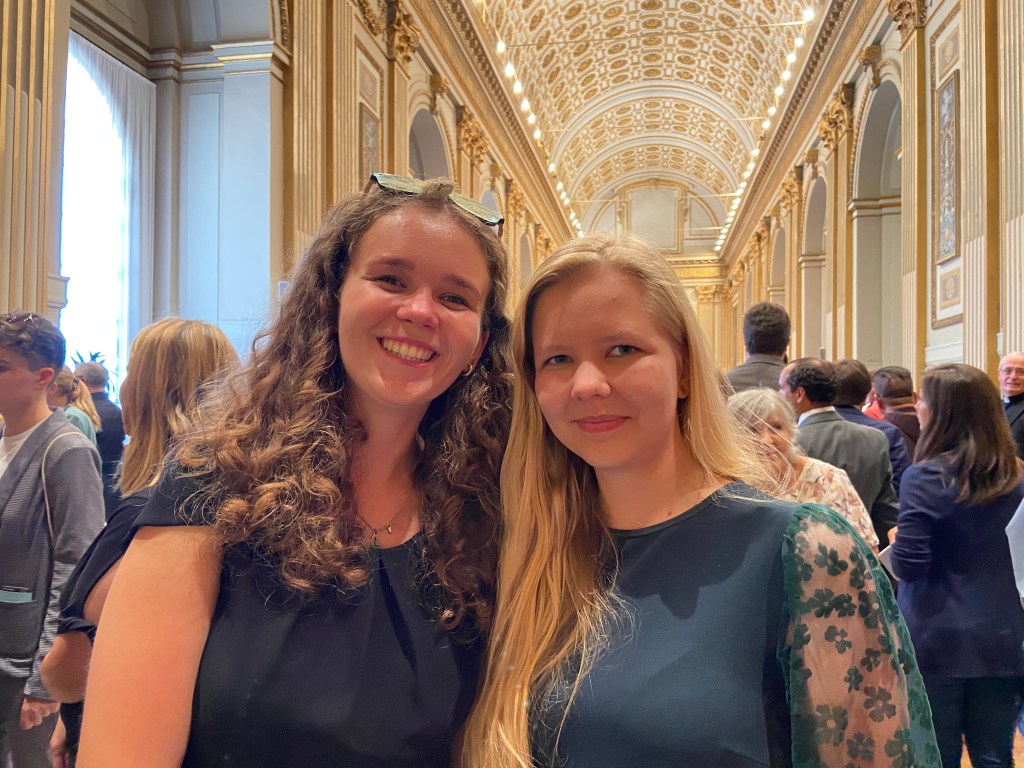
(428,158)
(777,265)
(877,258)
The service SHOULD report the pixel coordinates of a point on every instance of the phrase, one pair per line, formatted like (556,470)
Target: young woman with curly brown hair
(309,583)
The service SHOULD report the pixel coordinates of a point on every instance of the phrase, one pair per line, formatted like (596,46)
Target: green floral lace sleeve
(856,696)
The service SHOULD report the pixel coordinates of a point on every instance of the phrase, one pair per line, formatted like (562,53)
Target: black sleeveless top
(355,678)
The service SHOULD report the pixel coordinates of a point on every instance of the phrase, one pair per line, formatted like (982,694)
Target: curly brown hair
(273,445)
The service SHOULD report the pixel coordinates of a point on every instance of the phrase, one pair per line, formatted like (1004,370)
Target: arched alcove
(489,199)
(427,157)
(813,303)
(877,269)
(525,260)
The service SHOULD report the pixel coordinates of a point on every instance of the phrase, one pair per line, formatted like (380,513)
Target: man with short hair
(854,384)
(810,385)
(895,395)
(51,508)
(766,331)
(110,439)
(1011,386)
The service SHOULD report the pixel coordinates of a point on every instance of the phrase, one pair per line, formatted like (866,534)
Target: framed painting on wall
(369,143)
(946,277)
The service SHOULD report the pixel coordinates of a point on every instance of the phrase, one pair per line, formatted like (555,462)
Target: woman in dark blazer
(951,555)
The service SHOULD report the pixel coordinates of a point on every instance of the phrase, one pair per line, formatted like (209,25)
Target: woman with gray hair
(800,477)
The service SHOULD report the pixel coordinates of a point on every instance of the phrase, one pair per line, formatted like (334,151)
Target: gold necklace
(375,532)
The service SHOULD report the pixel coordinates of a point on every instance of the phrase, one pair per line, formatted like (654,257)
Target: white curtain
(107,208)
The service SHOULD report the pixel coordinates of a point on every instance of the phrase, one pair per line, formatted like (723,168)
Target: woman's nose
(419,307)
(589,381)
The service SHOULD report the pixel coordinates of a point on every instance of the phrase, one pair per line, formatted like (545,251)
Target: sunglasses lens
(473,208)
(402,184)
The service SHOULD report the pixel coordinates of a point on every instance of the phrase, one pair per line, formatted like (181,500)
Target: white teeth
(407,351)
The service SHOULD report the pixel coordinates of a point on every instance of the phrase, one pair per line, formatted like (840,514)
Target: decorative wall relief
(947,170)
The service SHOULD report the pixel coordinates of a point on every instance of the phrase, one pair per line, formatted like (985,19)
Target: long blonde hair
(73,391)
(554,600)
(168,364)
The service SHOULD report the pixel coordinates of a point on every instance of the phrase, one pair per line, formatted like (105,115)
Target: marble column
(33,72)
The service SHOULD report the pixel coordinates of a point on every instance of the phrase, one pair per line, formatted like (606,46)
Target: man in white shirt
(51,507)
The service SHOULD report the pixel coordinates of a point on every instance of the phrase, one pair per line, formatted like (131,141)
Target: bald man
(1011,386)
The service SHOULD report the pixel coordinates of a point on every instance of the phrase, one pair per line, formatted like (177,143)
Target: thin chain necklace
(375,532)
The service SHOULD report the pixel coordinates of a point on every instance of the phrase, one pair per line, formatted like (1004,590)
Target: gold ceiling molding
(838,117)
(908,15)
(449,25)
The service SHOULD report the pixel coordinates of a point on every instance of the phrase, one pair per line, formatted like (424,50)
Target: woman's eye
(453,298)
(557,360)
(622,350)
(387,280)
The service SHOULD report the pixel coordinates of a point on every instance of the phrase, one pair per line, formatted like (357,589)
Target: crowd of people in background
(411,531)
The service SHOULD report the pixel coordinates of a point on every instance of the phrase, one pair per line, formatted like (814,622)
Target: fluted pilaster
(1011,179)
(982,168)
(914,198)
(34,35)
(309,127)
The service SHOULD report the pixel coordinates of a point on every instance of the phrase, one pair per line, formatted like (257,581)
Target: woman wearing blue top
(653,608)
(951,554)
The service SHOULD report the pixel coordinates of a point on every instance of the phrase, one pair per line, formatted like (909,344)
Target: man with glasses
(51,508)
(1011,387)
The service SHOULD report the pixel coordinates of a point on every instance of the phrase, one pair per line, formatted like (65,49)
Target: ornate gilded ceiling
(625,90)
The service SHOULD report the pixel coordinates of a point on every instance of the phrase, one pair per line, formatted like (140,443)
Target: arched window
(106,219)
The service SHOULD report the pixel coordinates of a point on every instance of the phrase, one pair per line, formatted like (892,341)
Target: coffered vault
(672,93)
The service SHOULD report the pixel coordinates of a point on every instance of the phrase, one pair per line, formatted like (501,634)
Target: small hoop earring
(468,371)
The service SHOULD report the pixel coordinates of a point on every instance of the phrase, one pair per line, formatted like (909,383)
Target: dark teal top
(738,606)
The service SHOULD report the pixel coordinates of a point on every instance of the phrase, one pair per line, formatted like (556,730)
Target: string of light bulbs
(780,89)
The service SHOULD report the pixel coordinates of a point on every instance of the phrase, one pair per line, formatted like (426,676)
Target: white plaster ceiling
(673,90)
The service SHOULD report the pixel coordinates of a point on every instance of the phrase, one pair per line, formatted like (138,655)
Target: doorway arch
(427,156)
(877,258)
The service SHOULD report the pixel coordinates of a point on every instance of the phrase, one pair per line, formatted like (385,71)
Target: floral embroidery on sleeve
(856,696)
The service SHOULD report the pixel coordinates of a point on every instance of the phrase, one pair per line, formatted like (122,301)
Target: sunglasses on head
(19,318)
(403,185)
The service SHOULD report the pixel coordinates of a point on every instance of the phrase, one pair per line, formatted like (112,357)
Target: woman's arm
(65,667)
(147,652)
(922,497)
(855,693)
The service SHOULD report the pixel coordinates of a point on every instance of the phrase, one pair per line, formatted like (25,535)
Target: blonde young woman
(169,364)
(800,478)
(70,393)
(653,608)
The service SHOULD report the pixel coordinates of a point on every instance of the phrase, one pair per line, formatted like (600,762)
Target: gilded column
(1011,176)
(909,16)
(33,67)
(309,84)
(473,145)
(835,130)
(403,40)
(981,170)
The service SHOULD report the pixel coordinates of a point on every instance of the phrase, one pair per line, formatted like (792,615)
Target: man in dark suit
(110,439)
(894,392)
(766,331)
(1011,386)
(854,385)
(810,386)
